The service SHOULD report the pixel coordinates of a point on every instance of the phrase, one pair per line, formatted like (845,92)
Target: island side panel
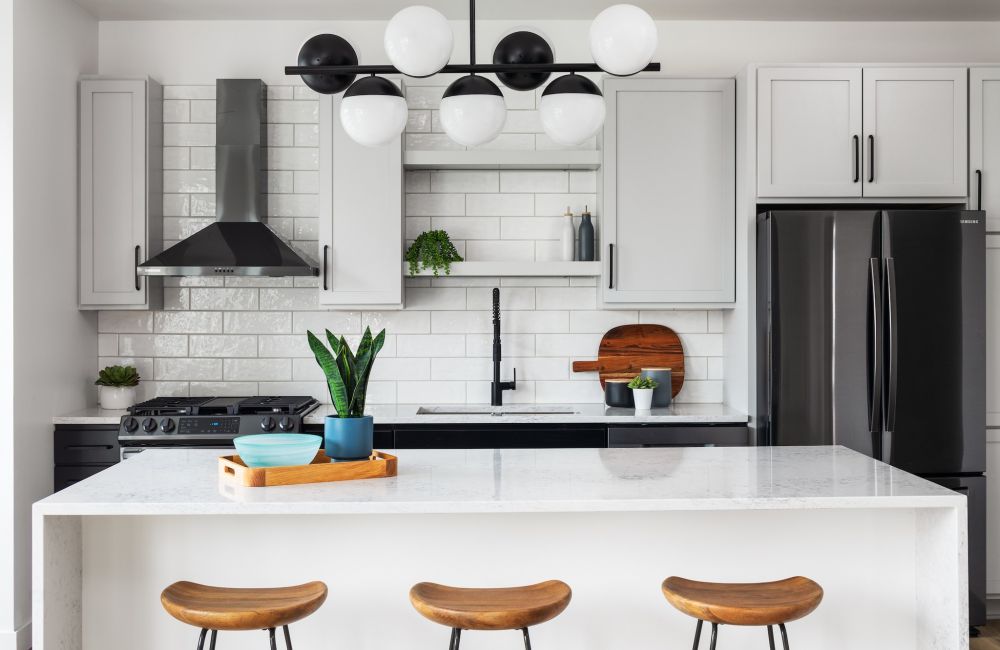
(866,559)
(57,582)
(943,586)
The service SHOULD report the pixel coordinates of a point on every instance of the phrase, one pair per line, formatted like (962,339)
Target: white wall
(6,322)
(53,343)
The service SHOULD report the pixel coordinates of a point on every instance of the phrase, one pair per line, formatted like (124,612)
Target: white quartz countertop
(186,482)
(481,414)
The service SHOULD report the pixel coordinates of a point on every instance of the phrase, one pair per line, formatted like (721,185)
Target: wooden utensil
(627,349)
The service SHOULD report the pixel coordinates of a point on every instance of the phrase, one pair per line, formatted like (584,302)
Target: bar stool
(232,609)
(508,608)
(746,603)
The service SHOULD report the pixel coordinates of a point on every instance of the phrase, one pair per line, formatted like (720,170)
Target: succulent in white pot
(642,392)
(117,386)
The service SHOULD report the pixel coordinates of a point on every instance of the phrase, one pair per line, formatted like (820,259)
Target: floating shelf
(486,159)
(516,269)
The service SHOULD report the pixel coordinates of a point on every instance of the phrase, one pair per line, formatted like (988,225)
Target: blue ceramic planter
(348,438)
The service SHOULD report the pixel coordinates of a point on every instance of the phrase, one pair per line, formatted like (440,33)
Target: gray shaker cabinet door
(984,144)
(669,192)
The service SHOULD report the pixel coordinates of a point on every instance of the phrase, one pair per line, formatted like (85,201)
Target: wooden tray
(321,470)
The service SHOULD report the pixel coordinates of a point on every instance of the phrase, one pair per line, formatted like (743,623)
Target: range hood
(240,242)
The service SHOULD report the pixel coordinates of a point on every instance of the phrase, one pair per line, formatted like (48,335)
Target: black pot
(617,393)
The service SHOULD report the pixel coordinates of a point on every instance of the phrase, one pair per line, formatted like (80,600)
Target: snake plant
(118,376)
(346,372)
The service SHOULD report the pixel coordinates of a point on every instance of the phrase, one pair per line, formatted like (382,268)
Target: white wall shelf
(485,159)
(516,269)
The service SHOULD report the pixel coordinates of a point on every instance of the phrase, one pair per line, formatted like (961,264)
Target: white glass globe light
(373,111)
(572,109)
(473,111)
(418,41)
(623,39)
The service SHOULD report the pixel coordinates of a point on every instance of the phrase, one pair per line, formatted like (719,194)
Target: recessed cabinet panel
(915,123)
(669,191)
(808,132)
(984,144)
(993,330)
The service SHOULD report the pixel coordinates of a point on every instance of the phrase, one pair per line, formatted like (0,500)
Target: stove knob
(167,425)
(131,424)
(267,423)
(149,425)
(286,423)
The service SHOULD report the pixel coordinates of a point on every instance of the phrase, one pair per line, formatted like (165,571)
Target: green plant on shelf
(118,376)
(432,250)
(643,383)
(347,372)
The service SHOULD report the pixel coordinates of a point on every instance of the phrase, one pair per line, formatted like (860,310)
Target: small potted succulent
(347,435)
(642,392)
(117,386)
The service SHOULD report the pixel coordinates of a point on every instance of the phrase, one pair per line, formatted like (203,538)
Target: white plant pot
(117,397)
(643,398)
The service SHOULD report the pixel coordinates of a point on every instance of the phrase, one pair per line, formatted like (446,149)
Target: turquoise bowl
(277,449)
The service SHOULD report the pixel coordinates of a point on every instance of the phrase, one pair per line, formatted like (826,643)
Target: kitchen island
(889,548)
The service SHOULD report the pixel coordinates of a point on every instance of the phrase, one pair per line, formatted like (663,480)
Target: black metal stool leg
(456,638)
(288,638)
(697,634)
(527,639)
(715,630)
(784,635)
(770,636)
(270,634)
(201,638)
(211,644)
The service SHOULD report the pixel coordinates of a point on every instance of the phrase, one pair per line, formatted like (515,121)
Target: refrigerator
(871,330)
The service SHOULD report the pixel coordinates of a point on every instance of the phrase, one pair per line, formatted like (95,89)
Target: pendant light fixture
(418,41)
(373,111)
(572,109)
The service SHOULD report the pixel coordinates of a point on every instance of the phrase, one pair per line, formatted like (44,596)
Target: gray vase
(663,391)
(585,241)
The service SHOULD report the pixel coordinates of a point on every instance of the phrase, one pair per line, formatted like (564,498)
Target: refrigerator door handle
(875,360)
(891,325)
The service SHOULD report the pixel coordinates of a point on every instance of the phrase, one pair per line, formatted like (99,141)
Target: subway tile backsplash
(237,336)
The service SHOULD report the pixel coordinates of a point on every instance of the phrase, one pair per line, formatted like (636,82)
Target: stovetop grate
(223,405)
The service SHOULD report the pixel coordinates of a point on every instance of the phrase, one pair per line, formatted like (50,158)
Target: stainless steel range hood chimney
(240,242)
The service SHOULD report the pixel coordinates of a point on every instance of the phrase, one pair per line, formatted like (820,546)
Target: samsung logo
(968,220)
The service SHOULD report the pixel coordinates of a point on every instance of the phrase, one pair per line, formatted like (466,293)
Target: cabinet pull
(979,189)
(326,287)
(611,266)
(138,286)
(857,158)
(871,158)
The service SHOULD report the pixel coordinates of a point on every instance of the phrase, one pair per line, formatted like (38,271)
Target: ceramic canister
(617,393)
(663,390)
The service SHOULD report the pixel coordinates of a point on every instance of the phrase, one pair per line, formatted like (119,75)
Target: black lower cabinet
(82,450)
(500,436)
(693,435)
(382,437)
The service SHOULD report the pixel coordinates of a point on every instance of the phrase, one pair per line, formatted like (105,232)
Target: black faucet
(497,387)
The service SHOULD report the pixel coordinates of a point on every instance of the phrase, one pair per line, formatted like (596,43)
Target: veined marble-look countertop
(483,414)
(187,482)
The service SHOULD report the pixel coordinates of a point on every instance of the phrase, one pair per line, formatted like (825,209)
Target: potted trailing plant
(642,392)
(117,386)
(348,435)
(432,250)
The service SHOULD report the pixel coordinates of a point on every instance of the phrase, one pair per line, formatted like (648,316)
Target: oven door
(133,448)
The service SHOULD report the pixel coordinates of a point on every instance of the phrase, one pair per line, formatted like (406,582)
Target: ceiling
(903,10)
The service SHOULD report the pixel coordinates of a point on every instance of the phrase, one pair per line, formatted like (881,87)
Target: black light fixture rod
(472,32)
(456,68)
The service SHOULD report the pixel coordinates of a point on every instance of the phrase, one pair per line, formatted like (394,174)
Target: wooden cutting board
(627,349)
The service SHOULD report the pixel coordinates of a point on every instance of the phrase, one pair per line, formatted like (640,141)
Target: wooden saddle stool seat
(744,603)
(238,609)
(504,608)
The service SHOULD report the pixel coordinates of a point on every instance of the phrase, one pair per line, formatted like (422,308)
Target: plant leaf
(331,368)
(361,391)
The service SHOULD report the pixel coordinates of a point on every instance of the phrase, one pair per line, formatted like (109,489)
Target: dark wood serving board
(627,349)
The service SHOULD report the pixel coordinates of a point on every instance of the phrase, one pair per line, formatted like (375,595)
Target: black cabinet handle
(979,189)
(857,158)
(611,266)
(325,285)
(871,158)
(138,286)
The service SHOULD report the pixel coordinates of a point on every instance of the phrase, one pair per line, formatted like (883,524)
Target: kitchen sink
(499,410)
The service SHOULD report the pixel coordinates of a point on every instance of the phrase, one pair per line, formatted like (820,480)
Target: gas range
(208,421)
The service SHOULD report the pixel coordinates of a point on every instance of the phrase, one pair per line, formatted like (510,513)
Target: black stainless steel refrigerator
(871,332)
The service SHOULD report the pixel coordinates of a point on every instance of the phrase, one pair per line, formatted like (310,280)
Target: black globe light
(518,48)
(473,110)
(572,109)
(373,111)
(327,49)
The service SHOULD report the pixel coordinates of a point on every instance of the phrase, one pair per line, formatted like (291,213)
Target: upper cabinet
(120,199)
(984,143)
(361,218)
(669,195)
(862,132)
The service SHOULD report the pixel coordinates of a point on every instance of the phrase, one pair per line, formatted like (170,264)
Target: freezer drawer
(679,436)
